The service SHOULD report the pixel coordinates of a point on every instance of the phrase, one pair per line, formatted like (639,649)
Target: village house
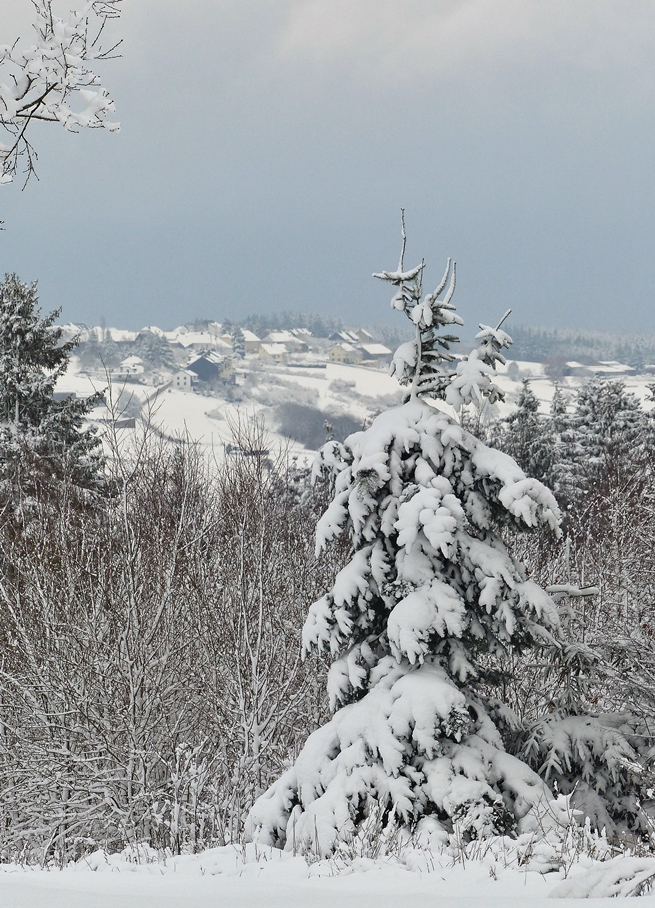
(202,340)
(185,379)
(575,368)
(611,369)
(209,367)
(377,353)
(252,342)
(346,337)
(292,343)
(132,365)
(345,353)
(273,353)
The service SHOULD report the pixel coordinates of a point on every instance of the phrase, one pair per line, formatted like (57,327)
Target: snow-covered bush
(429,591)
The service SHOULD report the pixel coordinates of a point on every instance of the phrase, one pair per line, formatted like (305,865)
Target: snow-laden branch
(52,79)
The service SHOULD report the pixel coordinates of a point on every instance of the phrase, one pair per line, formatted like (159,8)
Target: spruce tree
(607,424)
(37,432)
(430,595)
(238,343)
(526,436)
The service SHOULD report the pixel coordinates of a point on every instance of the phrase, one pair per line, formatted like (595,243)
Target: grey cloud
(267,147)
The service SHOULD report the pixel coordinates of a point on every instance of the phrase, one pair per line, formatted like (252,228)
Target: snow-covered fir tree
(238,343)
(607,424)
(527,437)
(429,594)
(38,432)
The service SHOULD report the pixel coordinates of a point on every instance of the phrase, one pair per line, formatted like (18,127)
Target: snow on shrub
(592,758)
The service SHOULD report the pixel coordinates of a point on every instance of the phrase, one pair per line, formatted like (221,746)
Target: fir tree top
(425,364)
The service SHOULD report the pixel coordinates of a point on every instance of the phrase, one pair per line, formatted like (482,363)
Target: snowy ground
(273,879)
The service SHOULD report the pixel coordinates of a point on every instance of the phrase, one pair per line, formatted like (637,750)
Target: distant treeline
(543,344)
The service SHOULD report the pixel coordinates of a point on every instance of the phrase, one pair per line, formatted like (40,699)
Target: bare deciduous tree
(150,674)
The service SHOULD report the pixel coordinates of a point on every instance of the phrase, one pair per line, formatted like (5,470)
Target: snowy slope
(358,391)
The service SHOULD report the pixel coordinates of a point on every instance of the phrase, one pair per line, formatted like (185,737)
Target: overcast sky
(267,146)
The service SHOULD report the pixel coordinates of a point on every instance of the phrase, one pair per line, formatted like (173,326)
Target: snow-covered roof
(249,335)
(345,346)
(201,339)
(115,334)
(376,349)
(274,349)
(120,334)
(132,361)
(347,336)
(611,367)
(211,357)
(153,329)
(280,337)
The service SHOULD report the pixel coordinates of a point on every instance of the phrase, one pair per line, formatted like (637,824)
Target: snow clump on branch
(51,80)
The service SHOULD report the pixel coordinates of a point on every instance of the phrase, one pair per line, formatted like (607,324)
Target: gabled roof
(280,337)
(376,349)
(211,357)
(201,338)
(153,329)
(347,336)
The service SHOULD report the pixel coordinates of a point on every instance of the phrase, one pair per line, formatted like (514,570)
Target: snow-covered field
(266,878)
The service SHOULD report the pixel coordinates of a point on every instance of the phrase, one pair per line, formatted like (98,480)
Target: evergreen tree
(238,343)
(527,437)
(429,594)
(558,413)
(155,350)
(33,425)
(607,424)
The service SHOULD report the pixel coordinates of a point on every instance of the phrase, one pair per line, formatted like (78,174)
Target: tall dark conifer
(38,432)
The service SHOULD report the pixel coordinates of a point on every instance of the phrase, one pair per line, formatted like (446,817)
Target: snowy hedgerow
(430,588)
